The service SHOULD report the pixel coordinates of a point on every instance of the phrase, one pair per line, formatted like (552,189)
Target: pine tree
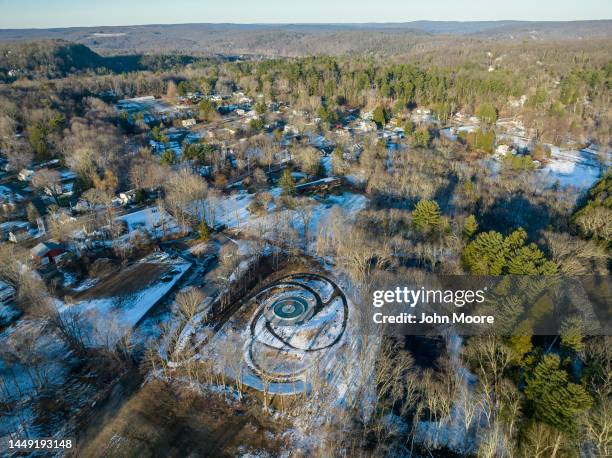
(427,216)
(470,226)
(168,157)
(572,334)
(484,255)
(287,183)
(380,116)
(421,137)
(207,110)
(555,400)
(487,113)
(204,230)
(260,108)
(492,254)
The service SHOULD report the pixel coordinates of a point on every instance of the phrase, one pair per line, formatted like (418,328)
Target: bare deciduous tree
(189,302)
(49,181)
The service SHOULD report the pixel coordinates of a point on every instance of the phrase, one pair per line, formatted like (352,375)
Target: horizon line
(310,23)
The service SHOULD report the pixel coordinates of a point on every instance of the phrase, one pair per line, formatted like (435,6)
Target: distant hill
(46,58)
(303,39)
(58,58)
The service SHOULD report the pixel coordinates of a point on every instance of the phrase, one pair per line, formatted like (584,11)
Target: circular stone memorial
(289,311)
(298,318)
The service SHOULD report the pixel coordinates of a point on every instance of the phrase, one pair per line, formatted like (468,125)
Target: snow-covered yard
(315,215)
(579,169)
(150,220)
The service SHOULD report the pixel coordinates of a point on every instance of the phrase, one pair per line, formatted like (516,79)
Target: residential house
(127,197)
(47,252)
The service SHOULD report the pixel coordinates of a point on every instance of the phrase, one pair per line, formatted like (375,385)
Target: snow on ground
(357,179)
(86,284)
(519,142)
(455,431)
(109,318)
(232,211)
(579,169)
(348,202)
(6,194)
(8,313)
(20,377)
(151,220)
(342,387)
(315,216)
(44,364)
(326,162)
(448,133)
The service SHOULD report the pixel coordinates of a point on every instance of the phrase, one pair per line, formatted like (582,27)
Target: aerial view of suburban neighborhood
(330,229)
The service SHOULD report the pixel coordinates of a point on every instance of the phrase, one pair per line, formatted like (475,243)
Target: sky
(79,13)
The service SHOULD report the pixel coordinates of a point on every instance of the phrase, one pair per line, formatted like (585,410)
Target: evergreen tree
(260,108)
(520,344)
(37,136)
(200,152)
(257,125)
(487,113)
(470,226)
(421,137)
(572,334)
(518,163)
(287,183)
(554,399)
(426,216)
(594,219)
(140,196)
(207,109)
(327,115)
(409,128)
(492,254)
(204,230)
(380,116)
(168,157)
(158,135)
(569,92)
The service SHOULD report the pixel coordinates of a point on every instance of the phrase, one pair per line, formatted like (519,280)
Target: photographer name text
(434,318)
